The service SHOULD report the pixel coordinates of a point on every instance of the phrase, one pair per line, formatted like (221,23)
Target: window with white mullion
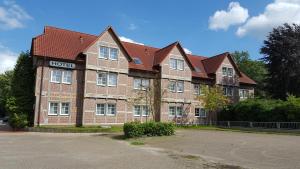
(56,76)
(112,79)
(65,109)
(111,109)
(100,109)
(67,77)
(102,78)
(53,108)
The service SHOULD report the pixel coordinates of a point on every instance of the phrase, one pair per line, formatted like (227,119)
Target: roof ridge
(68,30)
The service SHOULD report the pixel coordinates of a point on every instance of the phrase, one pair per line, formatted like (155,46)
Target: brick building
(91,80)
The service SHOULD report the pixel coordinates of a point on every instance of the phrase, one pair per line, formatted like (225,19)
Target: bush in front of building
(18,121)
(137,129)
(263,110)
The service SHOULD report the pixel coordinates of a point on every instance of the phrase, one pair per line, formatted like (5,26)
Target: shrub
(18,121)
(136,129)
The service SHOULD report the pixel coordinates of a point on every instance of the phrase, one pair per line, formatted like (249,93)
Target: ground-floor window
(227,91)
(141,110)
(56,108)
(244,93)
(106,109)
(175,111)
(200,112)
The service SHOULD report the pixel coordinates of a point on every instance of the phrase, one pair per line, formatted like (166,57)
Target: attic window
(197,69)
(137,61)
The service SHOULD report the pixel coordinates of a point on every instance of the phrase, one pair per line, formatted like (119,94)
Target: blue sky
(205,27)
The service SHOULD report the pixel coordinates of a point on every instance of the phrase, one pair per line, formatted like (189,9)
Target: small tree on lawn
(213,99)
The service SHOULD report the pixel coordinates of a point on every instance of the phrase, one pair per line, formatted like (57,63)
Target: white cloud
(132,27)
(234,15)
(122,38)
(186,50)
(275,14)
(12,15)
(8,59)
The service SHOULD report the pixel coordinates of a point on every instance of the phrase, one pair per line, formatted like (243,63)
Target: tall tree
(23,84)
(255,69)
(5,91)
(282,57)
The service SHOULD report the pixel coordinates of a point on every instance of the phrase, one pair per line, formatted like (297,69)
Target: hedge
(137,129)
(263,110)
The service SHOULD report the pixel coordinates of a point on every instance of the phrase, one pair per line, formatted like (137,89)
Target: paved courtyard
(188,149)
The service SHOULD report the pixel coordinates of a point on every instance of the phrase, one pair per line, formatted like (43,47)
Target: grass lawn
(240,129)
(74,129)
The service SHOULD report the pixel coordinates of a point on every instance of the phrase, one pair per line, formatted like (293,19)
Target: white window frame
(197,109)
(244,93)
(134,111)
(64,76)
(69,109)
(142,109)
(231,70)
(224,71)
(103,57)
(99,110)
(111,48)
(109,75)
(143,84)
(176,111)
(52,77)
(177,86)
(49,109)
(175,64)
(107,112)
(202,110)
(171,115)
(197,89)
(105,76)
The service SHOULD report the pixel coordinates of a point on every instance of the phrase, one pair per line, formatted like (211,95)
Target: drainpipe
(41,90)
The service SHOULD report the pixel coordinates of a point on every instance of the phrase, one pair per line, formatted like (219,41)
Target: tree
(213,99)
(22,85)
(255,69)
(5,91)
(281,53)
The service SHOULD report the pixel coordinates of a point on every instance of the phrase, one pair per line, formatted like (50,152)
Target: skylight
(137,61)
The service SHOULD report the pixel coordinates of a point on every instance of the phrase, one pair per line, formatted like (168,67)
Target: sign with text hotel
(62,64)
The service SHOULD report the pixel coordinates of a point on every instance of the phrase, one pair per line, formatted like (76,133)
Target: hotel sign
(62,64)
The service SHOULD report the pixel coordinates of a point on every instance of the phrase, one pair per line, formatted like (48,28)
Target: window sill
(100,114)
(54,82)
(64,115)
(110,115)
(66,83)
(52,114)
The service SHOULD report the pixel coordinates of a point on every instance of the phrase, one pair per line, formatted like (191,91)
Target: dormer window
(108,53)
(137,61)
(176,64)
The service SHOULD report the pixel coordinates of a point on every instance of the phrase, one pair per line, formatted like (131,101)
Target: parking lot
(187,149)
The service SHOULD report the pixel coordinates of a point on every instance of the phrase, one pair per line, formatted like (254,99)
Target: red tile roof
(65,44)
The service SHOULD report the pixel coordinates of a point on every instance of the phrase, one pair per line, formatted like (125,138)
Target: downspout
(41,90)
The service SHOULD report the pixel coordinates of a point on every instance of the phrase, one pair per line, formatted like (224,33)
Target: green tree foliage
(255,69)
(213,98)
(22,85)
(281,53)
(5,91)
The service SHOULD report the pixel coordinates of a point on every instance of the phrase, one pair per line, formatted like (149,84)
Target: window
(227,91)
(197,89)
(172,86)
(173,64)
(176,86)
(175,111)
(172,111)
(180,86)
(137,61)
(112,79)
(141,84)
(176,64)
(113,54)
(197,112)
(141,110)
(105,78)
(227,71)
(53,108)
(65,109)
(104,52)
(200,112)
(230,72)
(100,109)
(102,78)
(67,77)
(244,93)
(56,76)
(111,109)
(180,64)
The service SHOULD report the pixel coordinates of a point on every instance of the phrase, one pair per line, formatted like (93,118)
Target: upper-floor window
(175,111)
(61,76)
(108,53)
(227,71)
(106,109)
(176,86)
(177,64)
(197,89)
(107,79)
(141,110)
(244,93)
(200,112)
(227,91)
(141,84)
